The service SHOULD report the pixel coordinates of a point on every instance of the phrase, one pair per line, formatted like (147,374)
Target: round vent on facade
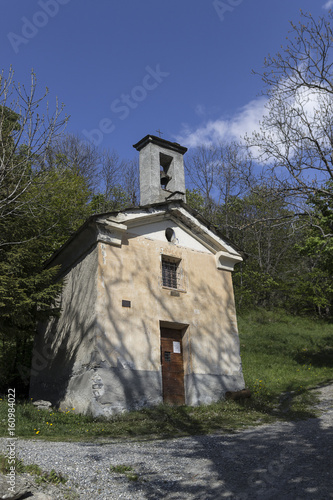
(170,234)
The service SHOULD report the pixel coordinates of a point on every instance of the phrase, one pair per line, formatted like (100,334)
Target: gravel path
(285,460)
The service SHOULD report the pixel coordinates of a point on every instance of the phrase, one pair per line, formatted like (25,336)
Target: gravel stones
(289,460)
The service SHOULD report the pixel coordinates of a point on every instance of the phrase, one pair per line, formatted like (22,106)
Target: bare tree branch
(25,138)
(296,135)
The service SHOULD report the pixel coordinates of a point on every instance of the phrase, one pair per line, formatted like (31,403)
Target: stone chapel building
(147,309)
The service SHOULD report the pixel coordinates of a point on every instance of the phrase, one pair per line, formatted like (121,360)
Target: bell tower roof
(173,146)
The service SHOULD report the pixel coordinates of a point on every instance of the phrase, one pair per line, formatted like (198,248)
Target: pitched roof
(118,222)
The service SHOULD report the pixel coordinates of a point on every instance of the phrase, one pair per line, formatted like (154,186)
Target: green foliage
(27,289)
(32,227)
(263,226)
(315,285)
(120,469)
(273,274)
(312,292)
(41,477)
(117,199)
(6,463)
(48,477)
(33,469)
(159,421)
(195,200)
(124,469)
(254,288)
(10,124)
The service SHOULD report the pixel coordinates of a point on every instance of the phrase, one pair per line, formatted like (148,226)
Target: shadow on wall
(83,366)
(59,344)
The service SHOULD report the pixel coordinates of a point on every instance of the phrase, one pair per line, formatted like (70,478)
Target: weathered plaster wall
(128,341)
(65,347)
(102,357)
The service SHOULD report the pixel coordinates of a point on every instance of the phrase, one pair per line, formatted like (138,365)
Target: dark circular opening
(170,234)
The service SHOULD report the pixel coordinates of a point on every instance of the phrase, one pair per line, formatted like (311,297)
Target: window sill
(182,290)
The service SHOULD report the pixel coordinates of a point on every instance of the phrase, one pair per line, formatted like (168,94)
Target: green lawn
(284,353)
(281,354)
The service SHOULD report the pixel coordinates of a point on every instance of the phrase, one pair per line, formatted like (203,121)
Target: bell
(164,179)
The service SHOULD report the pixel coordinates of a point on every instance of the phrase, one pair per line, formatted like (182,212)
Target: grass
(120,469)
(5,465)
(41,477)
(160,421)
(124,469)
(283,353)
(33,469)
(282,356)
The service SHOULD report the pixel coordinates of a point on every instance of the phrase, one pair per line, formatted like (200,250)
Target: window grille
(170,273)
(167,356)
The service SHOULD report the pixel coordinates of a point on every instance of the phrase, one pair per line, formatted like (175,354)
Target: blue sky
(125,69)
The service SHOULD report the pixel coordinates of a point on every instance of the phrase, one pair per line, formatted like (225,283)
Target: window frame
(179,275)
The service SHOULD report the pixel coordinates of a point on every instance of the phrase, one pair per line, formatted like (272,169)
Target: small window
(167,356)
(171,272)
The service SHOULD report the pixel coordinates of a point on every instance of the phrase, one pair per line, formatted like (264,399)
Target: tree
(83,158)
(296,133)
(131,182)
(295,143)
(27,288)
(264,226)
(220,174)
(25,138)
(314,288)
(119,184)
(43,202)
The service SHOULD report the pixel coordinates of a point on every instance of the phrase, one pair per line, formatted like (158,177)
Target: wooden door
(172,366)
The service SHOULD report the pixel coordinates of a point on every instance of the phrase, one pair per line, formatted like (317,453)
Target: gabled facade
(147,310)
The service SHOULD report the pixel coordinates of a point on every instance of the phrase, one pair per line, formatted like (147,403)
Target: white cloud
(328,4)
(242,123)
(311,104)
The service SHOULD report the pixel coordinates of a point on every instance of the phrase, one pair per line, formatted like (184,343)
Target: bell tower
(162,176)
